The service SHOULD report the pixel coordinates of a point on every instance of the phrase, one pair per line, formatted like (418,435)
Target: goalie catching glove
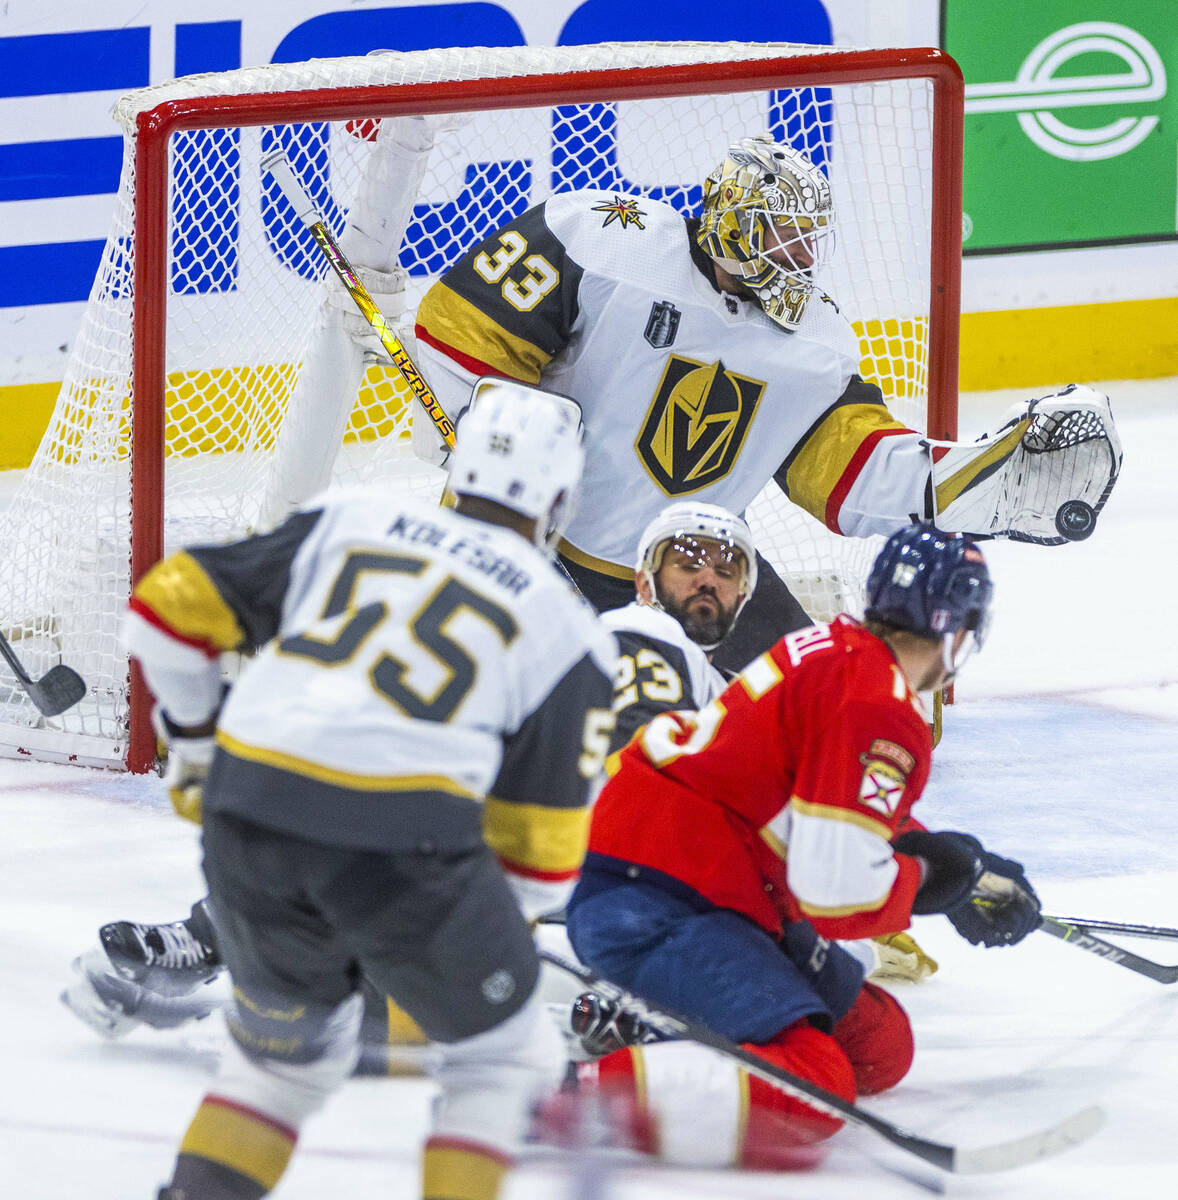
(987,898)
(1043,476)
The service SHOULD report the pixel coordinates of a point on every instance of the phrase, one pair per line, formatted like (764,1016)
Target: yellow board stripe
(452,320)
(455,1171)
(1038,347)
(951,488)
(244,1142)
(823,459)
(25,410)
(1011,348)
(535,835)
(337,778)
(179,591)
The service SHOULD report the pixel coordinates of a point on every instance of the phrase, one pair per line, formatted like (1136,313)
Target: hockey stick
(1000,1157)
(1075,935)
(290,187)
(61,687)
(305,210)
(1159,932)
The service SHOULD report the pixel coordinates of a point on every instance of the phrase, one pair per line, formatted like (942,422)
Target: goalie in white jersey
(400,780)
(708,361)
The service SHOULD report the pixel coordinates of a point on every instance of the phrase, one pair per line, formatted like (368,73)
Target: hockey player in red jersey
(732,845)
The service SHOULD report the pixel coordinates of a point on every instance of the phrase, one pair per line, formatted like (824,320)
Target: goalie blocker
(1043,476)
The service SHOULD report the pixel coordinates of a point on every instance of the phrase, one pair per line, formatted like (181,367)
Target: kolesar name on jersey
(475,555)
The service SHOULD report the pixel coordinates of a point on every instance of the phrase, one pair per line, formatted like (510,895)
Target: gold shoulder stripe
(951,488)
(336,778)
(822,460)
(454,321)
(535,835)
(601,565)
(183,596)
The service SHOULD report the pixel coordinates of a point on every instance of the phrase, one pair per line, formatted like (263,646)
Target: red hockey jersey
(780,798)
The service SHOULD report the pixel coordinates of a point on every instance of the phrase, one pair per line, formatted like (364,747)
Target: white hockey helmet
(689,519)
(521,447)
(767,198)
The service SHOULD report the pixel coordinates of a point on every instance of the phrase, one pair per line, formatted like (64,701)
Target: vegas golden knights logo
(696,424)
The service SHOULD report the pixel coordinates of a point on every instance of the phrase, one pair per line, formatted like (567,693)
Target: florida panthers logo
(696,424)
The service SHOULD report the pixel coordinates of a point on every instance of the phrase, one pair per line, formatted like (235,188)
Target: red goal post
(194,398)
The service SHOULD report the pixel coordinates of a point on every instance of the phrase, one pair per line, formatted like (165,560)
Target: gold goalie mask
(768,220)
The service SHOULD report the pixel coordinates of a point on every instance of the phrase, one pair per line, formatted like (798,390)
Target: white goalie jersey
(686,390)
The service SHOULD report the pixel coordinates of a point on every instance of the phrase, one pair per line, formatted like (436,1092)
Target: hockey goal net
(166,428)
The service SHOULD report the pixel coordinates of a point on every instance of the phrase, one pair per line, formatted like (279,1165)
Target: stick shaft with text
(306,212)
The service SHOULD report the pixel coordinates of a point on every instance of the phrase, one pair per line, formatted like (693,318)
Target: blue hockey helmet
(932,584)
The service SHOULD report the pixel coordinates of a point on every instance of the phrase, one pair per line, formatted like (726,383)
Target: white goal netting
(208,291)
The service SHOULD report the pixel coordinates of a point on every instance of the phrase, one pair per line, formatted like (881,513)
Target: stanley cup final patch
(662,324)
(885,775)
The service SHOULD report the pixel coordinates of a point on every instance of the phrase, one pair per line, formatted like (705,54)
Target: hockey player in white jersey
(695,570)
(708,361)
(398,781)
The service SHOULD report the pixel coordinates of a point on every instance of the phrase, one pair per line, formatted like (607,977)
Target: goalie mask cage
(171,414)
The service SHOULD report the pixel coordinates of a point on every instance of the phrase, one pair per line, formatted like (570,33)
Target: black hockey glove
(835,974)
(1003,907)
(953,864)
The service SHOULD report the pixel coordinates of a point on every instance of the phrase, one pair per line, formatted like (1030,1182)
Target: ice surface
(1062,751)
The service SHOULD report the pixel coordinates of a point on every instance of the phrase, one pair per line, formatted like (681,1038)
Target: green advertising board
(1071,120)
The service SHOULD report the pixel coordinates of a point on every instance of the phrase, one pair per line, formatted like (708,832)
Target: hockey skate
(112,1005)
(169,960)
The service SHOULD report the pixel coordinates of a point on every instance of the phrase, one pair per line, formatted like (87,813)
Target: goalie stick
(1076,935)
(1002,1156)
(306,212)
(1127,929)
(294,192)
(61,687)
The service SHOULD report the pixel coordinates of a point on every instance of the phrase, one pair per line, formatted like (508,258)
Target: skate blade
(88,1006)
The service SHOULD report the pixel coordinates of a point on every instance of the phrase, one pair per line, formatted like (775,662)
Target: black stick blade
(61,687)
